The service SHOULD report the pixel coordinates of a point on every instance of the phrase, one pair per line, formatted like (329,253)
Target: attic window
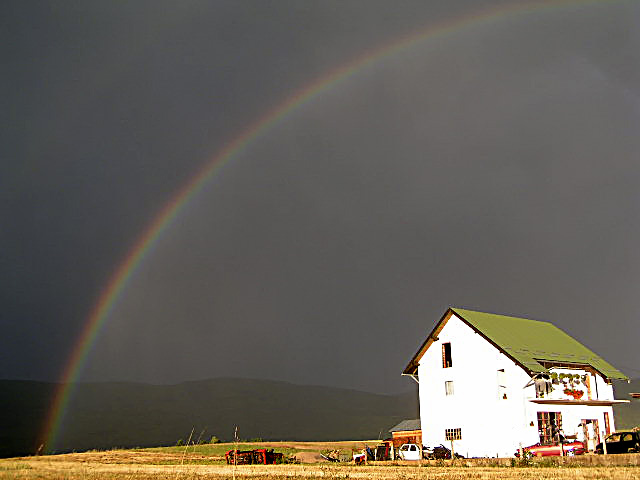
(446,355)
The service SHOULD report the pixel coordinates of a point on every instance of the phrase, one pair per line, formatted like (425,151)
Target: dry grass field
(206,461)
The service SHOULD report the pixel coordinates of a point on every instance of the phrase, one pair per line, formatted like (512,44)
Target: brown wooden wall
(408,436)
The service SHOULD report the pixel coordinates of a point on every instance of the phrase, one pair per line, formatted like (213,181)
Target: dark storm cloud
(494,169)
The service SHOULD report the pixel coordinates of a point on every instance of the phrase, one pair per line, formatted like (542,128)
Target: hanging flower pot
(576,394)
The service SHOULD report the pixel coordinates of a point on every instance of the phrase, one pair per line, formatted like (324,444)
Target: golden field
(206,461)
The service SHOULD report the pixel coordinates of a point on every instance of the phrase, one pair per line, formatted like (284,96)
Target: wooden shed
(407,431)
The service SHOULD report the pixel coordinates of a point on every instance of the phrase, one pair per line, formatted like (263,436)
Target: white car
(410,451)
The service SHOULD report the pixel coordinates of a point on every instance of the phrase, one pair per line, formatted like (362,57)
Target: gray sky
(495,168)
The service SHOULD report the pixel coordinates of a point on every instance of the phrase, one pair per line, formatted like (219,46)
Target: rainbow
(121,276)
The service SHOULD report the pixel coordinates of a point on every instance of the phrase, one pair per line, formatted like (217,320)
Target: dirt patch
(310,457)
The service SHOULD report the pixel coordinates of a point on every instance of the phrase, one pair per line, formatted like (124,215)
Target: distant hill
(106,415)
(627,415)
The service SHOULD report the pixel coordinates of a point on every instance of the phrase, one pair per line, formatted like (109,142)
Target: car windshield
(613,438)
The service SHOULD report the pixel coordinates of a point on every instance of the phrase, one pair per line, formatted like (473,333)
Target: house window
(446,355)
(549,427)
(448,388)
(453,433)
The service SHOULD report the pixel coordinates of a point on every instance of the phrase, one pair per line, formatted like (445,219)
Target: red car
(557,449)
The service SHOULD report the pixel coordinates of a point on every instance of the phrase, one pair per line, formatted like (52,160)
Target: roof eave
(412,366)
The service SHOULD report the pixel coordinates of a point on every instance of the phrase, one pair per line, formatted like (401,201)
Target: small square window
(453,433)
(448,388)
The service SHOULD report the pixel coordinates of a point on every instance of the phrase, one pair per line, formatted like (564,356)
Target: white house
(493,384)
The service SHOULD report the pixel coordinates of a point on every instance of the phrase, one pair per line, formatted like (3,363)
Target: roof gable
(525,341)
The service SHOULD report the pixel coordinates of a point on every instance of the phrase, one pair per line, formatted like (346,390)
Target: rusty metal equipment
(261,456)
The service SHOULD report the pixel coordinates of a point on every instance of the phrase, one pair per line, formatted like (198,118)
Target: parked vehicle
(427,452)
(555,449)
(410,451)
(442,452)
(624,441)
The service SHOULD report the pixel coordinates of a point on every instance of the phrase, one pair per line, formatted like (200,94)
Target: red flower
(576,394)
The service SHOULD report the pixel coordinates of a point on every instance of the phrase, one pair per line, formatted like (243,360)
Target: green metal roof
(528,341)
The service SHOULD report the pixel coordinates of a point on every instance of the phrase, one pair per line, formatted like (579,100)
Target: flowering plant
(576,394)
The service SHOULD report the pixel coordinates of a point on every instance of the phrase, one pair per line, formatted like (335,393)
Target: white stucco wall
(491,425)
